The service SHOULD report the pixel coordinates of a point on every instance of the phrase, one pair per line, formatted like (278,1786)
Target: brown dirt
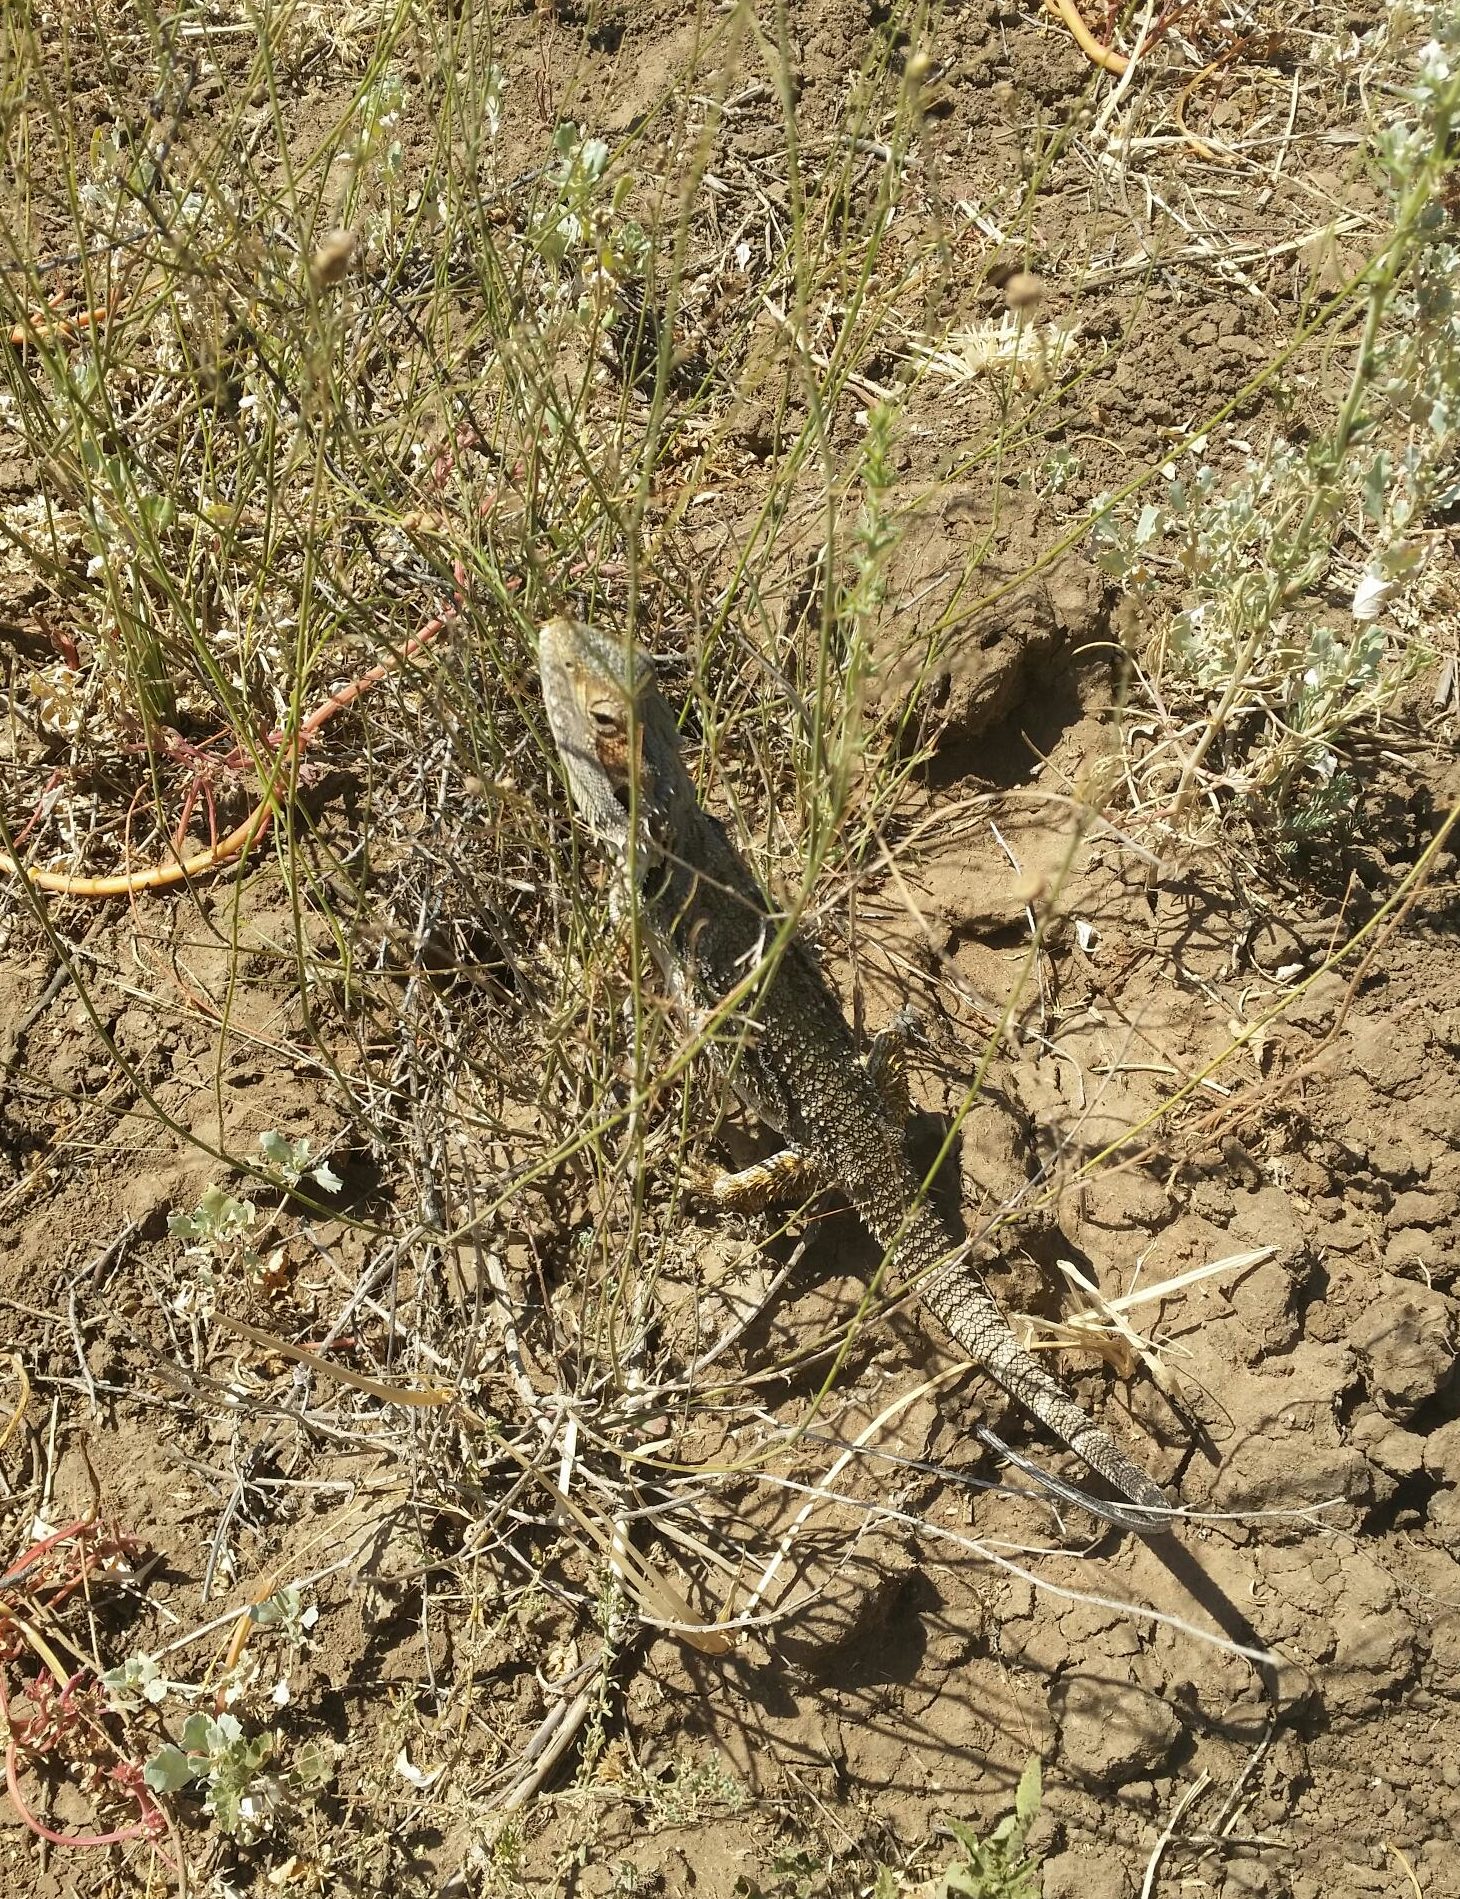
(1317,1437)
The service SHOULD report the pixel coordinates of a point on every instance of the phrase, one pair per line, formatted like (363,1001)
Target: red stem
(152,1822)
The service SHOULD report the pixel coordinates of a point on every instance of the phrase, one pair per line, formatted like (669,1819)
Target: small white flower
(421,1777)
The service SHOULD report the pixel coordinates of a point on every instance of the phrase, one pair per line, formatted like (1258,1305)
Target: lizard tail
(963,1305)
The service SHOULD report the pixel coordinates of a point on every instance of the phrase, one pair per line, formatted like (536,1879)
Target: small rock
(987,667)
(1246,1879)
(1123,1201)
(1412,1247)
(1407,1342)
(1390,1153)
(1262,1300)
(1212,1199)
(1111,1730)
(1274,1474)
(1045,1837)
(1085,1876)
(1315,1006)
(1401,1453)
(1342,1231)
(1034,1642)
(1415,1208)
(1372,1635)
(1267,1217)
(1442,1517)
(135,1031)
(1441,1452)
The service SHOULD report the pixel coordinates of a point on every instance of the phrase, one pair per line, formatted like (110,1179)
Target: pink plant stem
(40,808)
(38,1550)
(152,1822)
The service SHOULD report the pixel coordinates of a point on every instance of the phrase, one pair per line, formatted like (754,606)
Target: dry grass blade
(1104,1328)
(341,1374)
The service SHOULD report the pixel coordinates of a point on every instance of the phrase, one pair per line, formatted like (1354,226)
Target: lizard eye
(606,712)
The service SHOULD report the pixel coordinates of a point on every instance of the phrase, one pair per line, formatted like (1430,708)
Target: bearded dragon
(734,966)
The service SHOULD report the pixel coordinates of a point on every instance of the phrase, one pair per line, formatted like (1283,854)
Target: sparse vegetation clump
(1308,575)
(993,1865)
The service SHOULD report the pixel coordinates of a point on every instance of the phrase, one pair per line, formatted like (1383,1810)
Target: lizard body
(729,958)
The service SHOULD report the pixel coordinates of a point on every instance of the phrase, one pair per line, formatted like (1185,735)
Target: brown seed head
(332,259)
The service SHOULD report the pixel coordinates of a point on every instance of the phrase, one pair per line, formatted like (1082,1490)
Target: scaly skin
(785,1042)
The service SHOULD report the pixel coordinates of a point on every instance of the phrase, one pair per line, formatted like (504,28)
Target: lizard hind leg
(886,1066)
(776,1181)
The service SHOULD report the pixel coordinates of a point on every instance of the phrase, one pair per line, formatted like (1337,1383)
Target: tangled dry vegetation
(377,1398)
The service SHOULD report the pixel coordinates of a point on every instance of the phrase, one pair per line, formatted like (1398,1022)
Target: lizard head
(599,696)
